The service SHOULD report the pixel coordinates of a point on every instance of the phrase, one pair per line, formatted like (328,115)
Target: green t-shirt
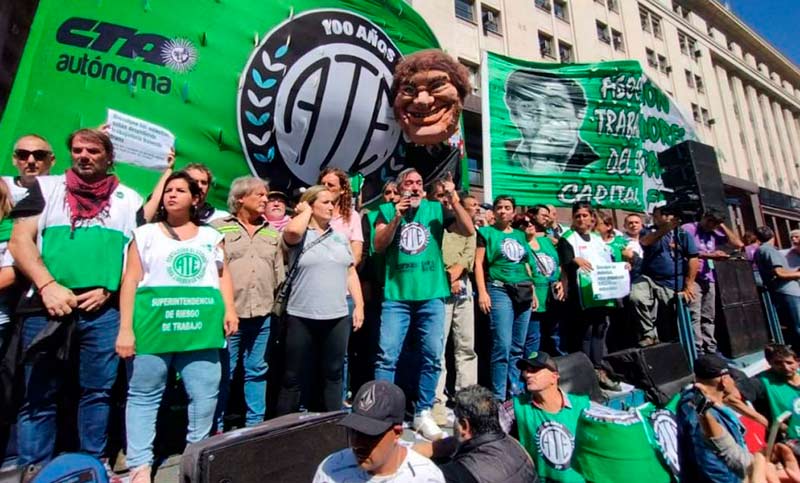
(550,438)
(507,254)
(414,267)
(617,244)
(547,270)
(783,397)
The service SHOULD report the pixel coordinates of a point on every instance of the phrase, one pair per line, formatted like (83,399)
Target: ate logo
(413,238)
(316,94)
(186,265)
(512,250)
(556,443)
(666,432)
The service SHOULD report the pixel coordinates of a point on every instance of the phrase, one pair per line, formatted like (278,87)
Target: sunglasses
(38,154)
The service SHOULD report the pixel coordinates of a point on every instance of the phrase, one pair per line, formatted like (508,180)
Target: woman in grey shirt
(317,321)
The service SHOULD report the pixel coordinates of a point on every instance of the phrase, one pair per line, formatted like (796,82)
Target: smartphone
(773,431)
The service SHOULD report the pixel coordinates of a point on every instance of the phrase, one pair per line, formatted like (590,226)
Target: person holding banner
(581,251)
(505,291)
(176,307)
(543,327)
(69,240)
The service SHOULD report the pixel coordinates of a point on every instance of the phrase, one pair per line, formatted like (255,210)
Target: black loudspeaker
(735,282)
(690,169)
(286,449)
(576,375)
(741,329)
(660,370)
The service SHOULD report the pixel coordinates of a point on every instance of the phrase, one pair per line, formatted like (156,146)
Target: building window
(544,5)
(491,20)
(663,66)
(560,9)
(680,9)
(546,46)
(619,44)
(689,78)
(651,58)
(688,44)
(613,5)
(465,9)
(657,26)
(602,32)
(474,76)
(696,113)
(644,18)
(706,116)
(698,82)
(565,52)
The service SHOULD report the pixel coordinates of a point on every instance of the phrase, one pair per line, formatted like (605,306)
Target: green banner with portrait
(560,133)
(279,89)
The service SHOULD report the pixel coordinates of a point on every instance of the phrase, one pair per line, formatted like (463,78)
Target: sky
(778,23)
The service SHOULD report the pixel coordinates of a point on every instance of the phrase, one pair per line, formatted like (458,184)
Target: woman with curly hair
(346,219)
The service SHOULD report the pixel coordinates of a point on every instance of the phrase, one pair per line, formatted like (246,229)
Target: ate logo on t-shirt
(556,443)
(512,250)
(413,238)
(186,265)
(666,429)
(546,264)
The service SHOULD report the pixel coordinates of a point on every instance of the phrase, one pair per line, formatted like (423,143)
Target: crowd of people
(363,301)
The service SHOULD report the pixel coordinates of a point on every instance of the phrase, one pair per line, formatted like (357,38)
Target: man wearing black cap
(545,419)
(375,454)
(711,446)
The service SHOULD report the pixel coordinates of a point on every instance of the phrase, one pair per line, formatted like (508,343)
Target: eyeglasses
(38,154)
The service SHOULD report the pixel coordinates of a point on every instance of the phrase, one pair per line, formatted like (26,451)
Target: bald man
(32,156)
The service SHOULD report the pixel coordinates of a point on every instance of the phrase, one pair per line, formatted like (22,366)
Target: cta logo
(316,94)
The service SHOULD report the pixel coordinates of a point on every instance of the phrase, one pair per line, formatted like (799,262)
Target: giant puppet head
(429,89)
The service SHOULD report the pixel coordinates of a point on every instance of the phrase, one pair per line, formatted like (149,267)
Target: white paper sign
(139,142)
(610,281)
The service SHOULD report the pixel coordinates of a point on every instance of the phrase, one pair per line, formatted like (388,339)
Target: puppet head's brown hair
(432,59)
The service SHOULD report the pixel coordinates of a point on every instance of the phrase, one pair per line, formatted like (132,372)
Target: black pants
(315,352)
(587,333)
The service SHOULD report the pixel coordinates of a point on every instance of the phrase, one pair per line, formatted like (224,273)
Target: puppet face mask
(427,107)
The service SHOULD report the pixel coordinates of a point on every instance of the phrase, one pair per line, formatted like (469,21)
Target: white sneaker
(425,425)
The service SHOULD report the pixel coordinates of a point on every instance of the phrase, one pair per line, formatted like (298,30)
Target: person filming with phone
(711,444)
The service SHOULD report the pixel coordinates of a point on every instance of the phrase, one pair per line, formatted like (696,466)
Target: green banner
(275,88)
(561,133)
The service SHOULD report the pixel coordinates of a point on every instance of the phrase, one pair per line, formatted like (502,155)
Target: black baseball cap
(537,360)
(709,366)
(278,194)
(378,406)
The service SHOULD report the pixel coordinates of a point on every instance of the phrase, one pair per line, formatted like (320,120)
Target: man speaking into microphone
(410,233)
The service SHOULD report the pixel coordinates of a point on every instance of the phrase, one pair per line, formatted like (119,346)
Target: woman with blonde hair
(7,276)
(322,271)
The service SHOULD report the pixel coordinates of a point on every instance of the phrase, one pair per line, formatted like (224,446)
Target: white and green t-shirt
(178,305)
(16,191)
(91,254)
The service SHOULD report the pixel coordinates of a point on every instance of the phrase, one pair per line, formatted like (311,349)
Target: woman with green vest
(176,307)
(505,292)
(579,250)
(543,327)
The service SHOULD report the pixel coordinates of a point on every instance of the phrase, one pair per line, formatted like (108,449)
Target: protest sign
(139,142)
(610,280)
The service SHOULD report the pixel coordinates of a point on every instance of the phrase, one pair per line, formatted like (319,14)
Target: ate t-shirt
(507,254)
(342,467)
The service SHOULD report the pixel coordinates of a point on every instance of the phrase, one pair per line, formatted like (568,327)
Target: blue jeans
(251,342)
(200,373)
(543,334)
(95,334)
(509,326)
(427,319)
(788,309)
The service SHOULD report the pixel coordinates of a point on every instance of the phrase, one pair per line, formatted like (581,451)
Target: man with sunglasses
(374,429)
(32,156)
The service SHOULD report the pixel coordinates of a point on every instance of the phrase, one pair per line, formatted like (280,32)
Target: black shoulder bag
(285,288)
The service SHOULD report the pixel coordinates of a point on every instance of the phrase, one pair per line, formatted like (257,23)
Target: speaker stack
(741,327)
(691,171)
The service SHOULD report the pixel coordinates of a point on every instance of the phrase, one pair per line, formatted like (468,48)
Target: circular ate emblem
(546,264)
(186,265)
(666,430)
(315,94)
(556,444)
(512,250)
(413,238)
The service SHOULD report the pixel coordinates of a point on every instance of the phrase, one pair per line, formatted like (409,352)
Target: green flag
(274,88)
(560,133)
